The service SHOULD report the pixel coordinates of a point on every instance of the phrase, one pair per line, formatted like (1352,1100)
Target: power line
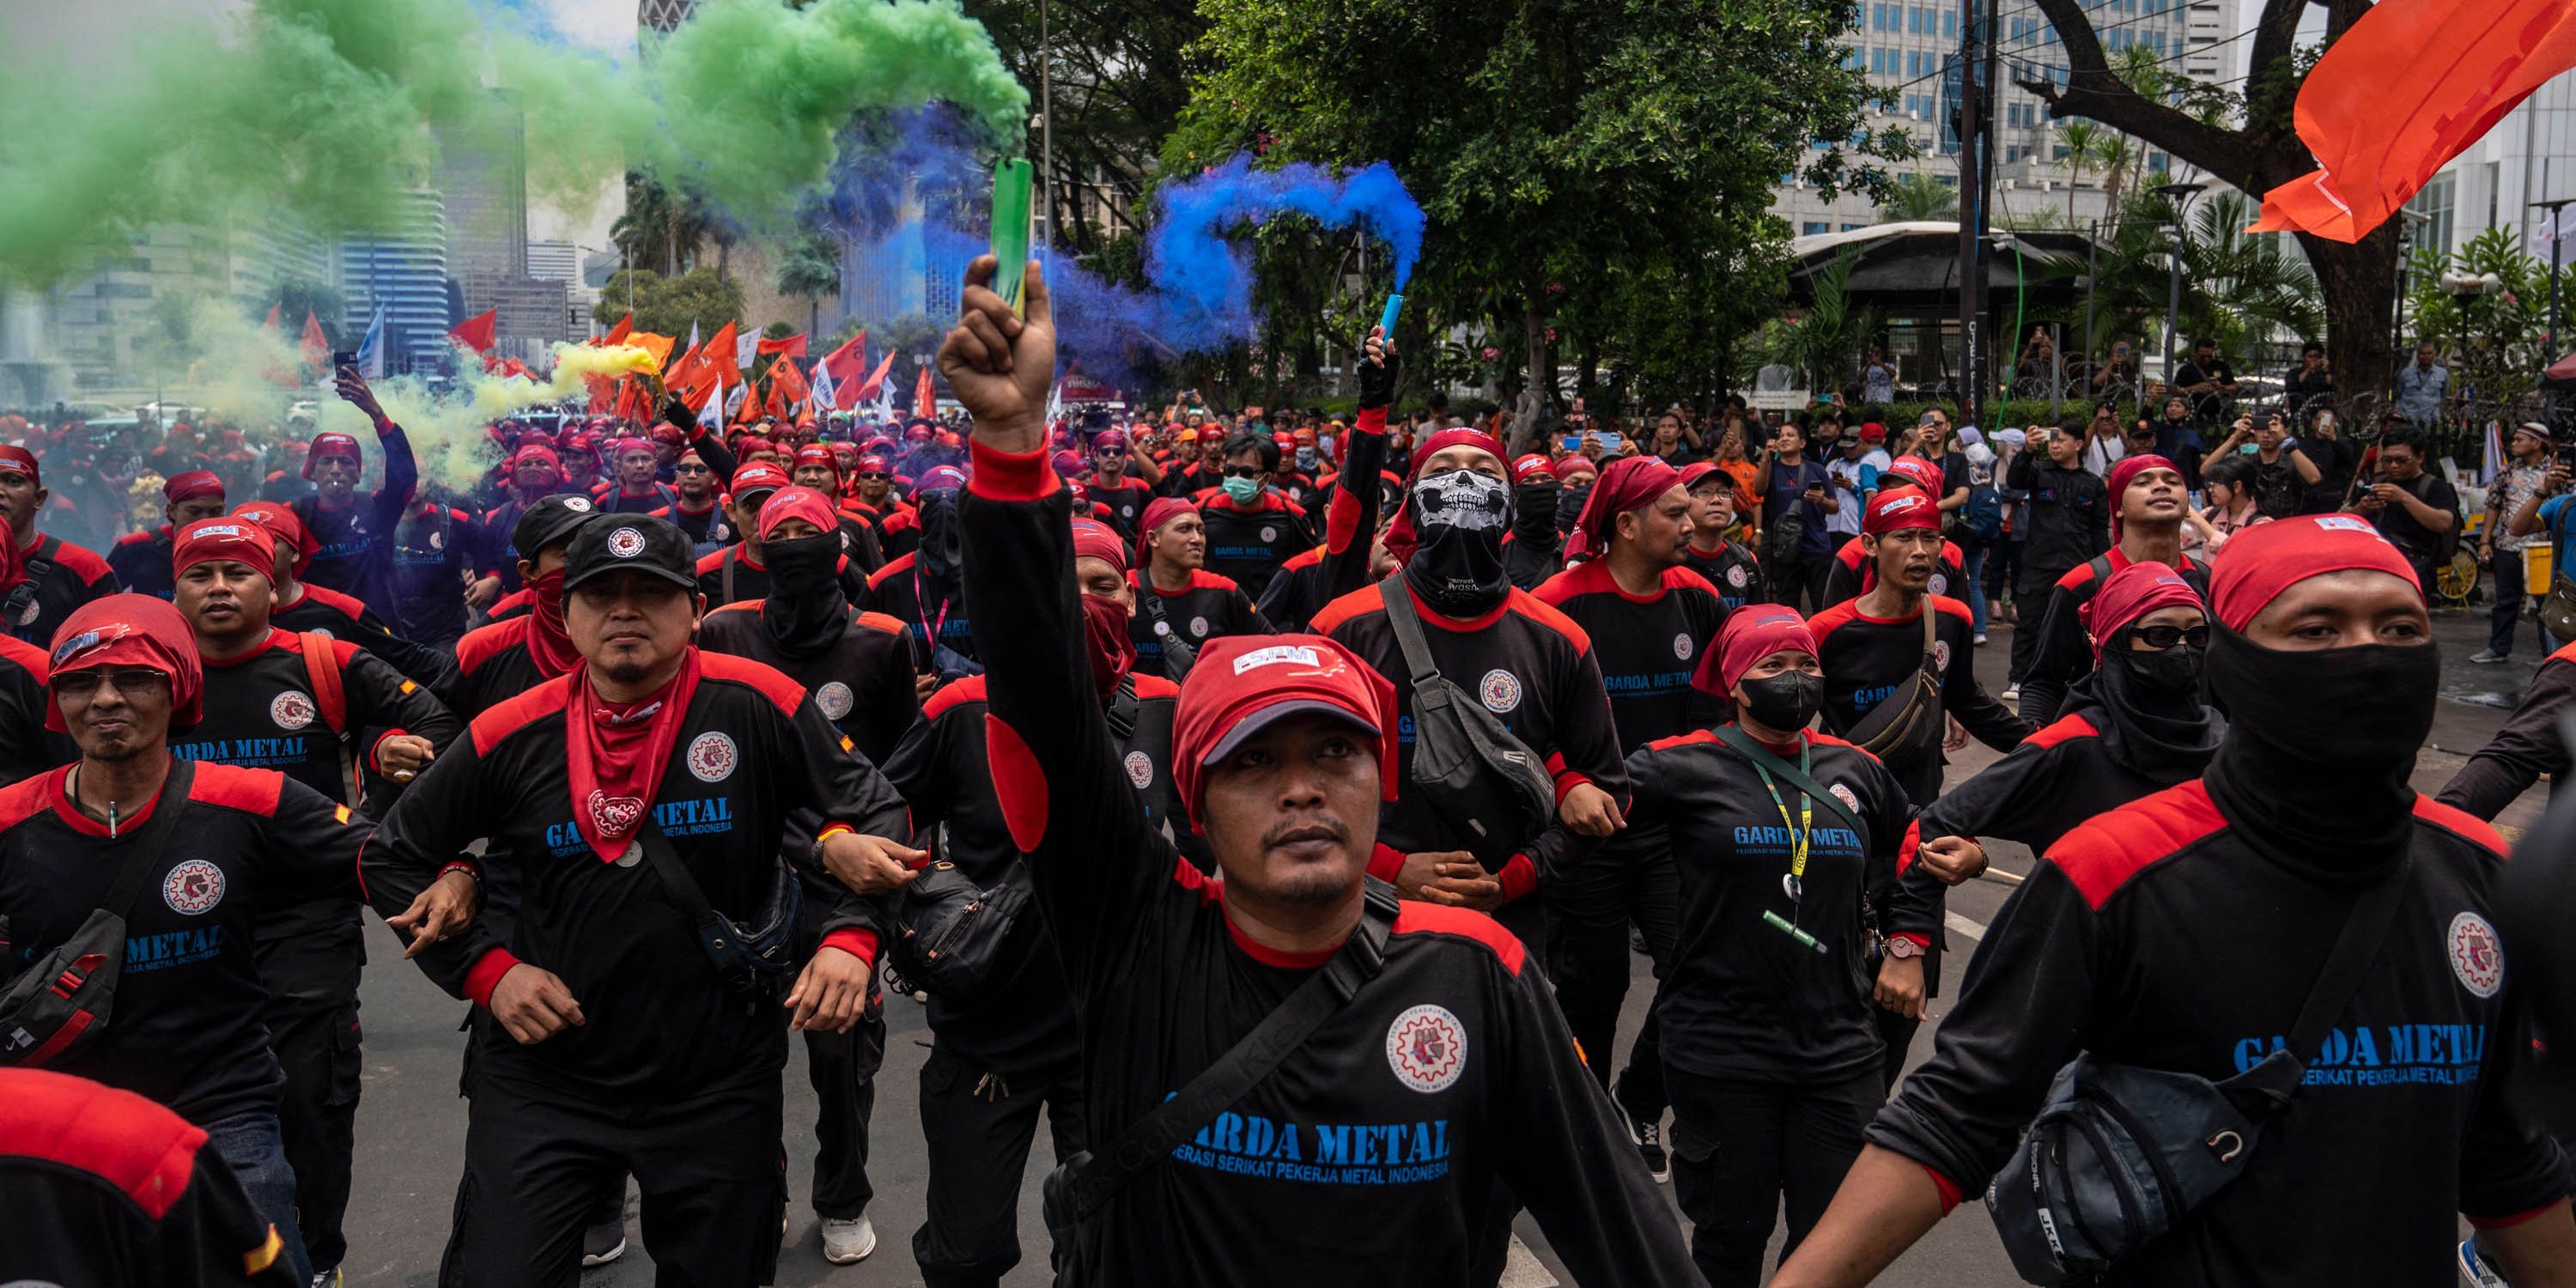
(2049,31)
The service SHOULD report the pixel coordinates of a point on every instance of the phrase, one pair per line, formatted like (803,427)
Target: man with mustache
(1420,1072)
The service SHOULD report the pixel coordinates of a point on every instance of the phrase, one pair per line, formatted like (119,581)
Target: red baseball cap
(1243,684)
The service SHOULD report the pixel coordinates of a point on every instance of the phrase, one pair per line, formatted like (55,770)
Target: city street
(411,1125)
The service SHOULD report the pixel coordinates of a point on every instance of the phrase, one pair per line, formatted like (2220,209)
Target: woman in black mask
(1536,550)
(1771,1049)
(2133,725)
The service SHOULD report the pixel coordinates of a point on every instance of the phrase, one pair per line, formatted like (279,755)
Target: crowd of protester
(1269,797)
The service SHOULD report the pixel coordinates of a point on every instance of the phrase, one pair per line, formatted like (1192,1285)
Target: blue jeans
(1972,570)
(249,1143)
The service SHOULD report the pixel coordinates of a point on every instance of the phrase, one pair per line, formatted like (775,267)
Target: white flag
(825,396)
(371,351)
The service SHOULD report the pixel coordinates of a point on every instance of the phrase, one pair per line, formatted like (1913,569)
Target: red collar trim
(1269,956)
(70,811)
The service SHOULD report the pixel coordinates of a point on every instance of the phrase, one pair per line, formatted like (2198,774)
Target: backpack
(1984,511)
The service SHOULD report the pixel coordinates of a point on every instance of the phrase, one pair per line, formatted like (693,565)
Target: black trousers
(713,1176)
(978,1124)
(2030,603)
(1787,579)
(1896,1035)
(1589,908)
(1741,1148)
(312,1019)
(843,1068)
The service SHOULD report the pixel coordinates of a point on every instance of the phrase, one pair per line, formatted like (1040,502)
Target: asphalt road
(411,1125)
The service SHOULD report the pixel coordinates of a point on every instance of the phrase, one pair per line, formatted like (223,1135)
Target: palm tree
(2115,154)
(1918,196)
(811,268)
(2080,144)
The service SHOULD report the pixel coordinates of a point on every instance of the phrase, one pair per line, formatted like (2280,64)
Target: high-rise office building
(404,268)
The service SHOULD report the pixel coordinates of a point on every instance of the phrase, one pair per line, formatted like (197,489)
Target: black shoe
(1648,1134)
(604,1242)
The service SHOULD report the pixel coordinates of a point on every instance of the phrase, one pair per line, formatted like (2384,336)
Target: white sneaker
(2488,657)
(604,1242)
(1981,637)
(2012,693)
(845,1242)
(2474,1271)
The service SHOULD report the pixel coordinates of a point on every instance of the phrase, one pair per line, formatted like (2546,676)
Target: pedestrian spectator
(2283,475)
(2230,891)
(2518,486)
(1796,498)
(2208,381)
(2105,441)
(2070,519)
(2422,386)
(1877,379)
(1669,444)
(1852,477)
(2229,485)
(2312,384)
(2335,457)
(2003,558)
(2413,507)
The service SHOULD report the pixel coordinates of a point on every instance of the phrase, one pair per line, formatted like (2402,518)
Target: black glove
(1377,383)
(678,413)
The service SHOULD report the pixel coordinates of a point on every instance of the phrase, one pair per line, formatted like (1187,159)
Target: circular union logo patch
(1140,769)
(1427,1048)
(712,757)
(834,700)
(193,887)
(1501,691)
(2477,955)
(626,543)
(291,710)
(1682,646)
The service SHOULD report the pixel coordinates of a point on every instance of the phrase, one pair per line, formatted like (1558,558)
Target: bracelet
(467,868)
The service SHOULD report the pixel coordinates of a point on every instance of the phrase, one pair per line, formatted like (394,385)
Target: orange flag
(603,393)
(684,378)
(875,382)
(477,333)
(2409,86)
(722,354)
(271,323)
(657,345)
(315,347)
(925,398)
(793,346)
(617,334)
(786,379)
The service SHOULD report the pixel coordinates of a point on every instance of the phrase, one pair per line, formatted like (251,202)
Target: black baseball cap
(631,542)
(550,521)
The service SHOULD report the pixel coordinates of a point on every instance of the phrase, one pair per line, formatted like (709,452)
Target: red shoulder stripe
(783,693)
(131,1143)
(252,791)
(1357,604)
(737,606)
(520,711)
(1202,579)
(1581,579)
(333,598)
(2061,730)
(1545,614)
(900,563)
(26,798)
(2080,575)
(1954,608)
(887,622)
(953,695)
(1416,918)
(712,561)
(1822,739)
(1680,578)
(84,562)
(1150,687)
(482,643)
(1832,619)
(2462,822)
(2103,853)
(1695,736)
(36,662)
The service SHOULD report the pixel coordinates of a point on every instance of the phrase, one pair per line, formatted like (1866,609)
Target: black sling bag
(62,1001)
(1178,656)
(755,959)
(2121,1154)
(1077,1190)
(1466,763)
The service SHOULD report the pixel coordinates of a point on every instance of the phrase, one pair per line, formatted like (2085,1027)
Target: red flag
(787,382)
(2409,86)
(477,333)
(925,398)
(875,382)
(617,333)
(271,323)
(722,350)
(793,346)
(846,365)
(514,367)
(634,402)
(603,393)
(315,347)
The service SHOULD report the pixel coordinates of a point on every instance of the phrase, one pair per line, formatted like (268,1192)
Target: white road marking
(1974,930)
(1523,1269)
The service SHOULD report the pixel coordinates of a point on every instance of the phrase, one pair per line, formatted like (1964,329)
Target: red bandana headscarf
(2130,594)
(1630,483)
(2123,473)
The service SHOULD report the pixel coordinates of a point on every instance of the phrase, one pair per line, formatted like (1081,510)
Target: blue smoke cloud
(1207,280)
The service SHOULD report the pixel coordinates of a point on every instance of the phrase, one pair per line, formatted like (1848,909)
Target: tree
(667,306)
(2241,289)
(1561,152)
(2079,145)
(1918,196)
(1826,342)
(811,268)
(2356,280)
(2497,338)
(295,296)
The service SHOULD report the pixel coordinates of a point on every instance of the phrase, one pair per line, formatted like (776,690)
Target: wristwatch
(1900,947)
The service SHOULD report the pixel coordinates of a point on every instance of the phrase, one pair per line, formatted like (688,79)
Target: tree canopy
(666,306)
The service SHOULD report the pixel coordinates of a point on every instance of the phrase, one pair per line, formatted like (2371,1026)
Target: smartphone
(1571,442)
(343,358)
(1011,182)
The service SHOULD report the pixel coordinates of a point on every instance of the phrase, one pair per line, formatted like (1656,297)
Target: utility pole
(1046,127)
(2557,241)
(1973,174)
(2176,195)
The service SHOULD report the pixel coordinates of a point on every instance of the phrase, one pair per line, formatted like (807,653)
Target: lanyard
(1801,835)
(921,609)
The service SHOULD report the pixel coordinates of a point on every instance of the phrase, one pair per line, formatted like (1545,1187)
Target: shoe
(1981,637)
(2489,657)
(850,1241)
(2012,693)
(2474,1271)
(1648,1134)
(327,1278)
(604,1242)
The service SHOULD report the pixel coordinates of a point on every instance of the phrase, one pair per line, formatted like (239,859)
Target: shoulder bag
(1907,721)
(63,1000)
(756,959)
(2120,1154)
(1077,1190)
(1470,768)
(1178,656)
(2558,610)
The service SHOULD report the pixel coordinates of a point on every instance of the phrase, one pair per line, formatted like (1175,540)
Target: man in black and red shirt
(436,548)
(921,589)
(536,473)
(1537,548)
(60,576)
(2147,507)
(1252,527)
(634,489)
(103,1186)
(353,536)
(27,748)
(186,1029)
(1180,604)
(1111,485)
(299,606)
(697,510)
(1853,572)
(273,703)
(818,468)
(1729,567)
(1355,511)
(1444,1080)
(2183,932)
(141,560)
(511,656)
(649,743)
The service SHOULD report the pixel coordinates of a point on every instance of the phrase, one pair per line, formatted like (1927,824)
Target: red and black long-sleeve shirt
(2154,936)
(1647,646)
(186,1030)
(1248,544)
(27,748)
(660,1023)
(1732,568)
(320,608)
(1868,660)
(103,1186)
(141,562)
(2057,778)
(1852,574)
(1315,577)
(2064,653)
(1535,670)
(1210,607)
(62,577)
(863,685)
(1448,1073)
(353,545)
(2525,748)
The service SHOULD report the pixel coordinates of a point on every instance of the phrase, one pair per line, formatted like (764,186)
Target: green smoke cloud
(321,111)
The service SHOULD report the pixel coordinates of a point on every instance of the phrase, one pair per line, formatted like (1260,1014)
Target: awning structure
(1914,266)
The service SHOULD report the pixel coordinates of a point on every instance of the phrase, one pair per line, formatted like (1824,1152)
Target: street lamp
(2180,195)
(2557,239)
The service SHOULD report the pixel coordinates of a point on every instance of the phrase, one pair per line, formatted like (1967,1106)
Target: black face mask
(938,556)
(1569,506)
(2149,709)
(2173,673)
(1786,701)
(2313,770)
(1459,518)
(1534,518)
(806,611)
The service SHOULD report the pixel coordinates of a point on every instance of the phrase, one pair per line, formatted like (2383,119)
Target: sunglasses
(691,469)
(876,476)
(2168,636)
(1244,471)
(86,683)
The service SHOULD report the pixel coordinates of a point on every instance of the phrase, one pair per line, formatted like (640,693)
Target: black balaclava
(1534,514)
(806,610)
(1459,518)
(2148,707)
(938,556)
(2313,768)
